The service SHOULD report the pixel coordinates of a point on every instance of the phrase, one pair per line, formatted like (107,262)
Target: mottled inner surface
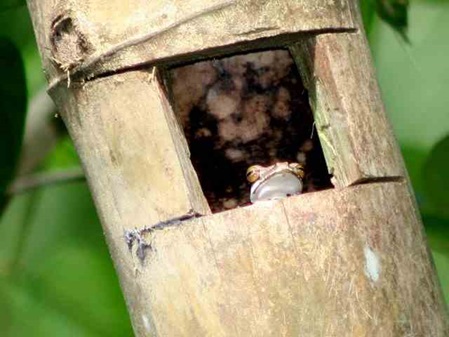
(245,110)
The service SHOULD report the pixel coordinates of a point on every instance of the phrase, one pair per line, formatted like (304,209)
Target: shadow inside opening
(245,110)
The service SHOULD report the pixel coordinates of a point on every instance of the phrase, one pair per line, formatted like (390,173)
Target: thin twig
(134,41)
(40,134)
(24,230)
(37,180)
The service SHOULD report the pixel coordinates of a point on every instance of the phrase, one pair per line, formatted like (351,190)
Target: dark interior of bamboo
(245,110)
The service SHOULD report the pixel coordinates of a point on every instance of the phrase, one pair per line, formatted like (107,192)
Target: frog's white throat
(278,186)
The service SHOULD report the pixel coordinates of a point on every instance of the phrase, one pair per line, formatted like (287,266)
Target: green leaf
(8,4)
(16,25)
(437,231)
(13,105)
(435,177)
(394,12)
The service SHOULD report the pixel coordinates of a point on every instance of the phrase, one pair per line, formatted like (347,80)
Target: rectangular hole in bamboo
(245,110)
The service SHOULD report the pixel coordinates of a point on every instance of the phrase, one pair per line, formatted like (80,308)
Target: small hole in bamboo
(69,45)
(246,110)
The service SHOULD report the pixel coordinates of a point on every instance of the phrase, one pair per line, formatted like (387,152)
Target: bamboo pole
(351,261)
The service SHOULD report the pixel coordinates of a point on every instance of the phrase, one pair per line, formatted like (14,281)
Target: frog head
(276,181)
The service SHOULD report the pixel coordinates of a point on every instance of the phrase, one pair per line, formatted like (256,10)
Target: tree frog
(275,182)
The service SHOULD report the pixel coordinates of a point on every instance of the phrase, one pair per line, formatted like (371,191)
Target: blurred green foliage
(63,156)
(9,4)
(13,106)
(56,276)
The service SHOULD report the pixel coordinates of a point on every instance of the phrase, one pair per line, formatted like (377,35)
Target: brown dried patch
(69,45)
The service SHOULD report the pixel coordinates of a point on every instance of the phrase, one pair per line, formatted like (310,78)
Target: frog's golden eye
(253,173)
(297,169)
